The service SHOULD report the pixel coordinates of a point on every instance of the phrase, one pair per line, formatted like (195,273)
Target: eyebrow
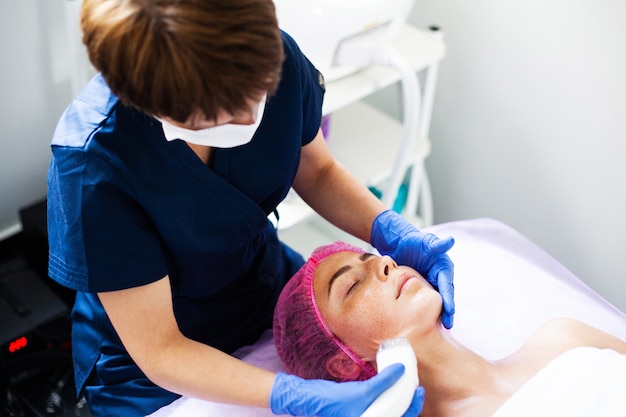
(346,268)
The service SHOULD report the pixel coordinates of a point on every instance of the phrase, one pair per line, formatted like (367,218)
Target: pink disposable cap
(304,343)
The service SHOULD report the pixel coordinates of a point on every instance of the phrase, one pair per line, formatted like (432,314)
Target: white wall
(529,126)
(34,90)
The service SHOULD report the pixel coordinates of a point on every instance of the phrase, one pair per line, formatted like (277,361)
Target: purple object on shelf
(326,125)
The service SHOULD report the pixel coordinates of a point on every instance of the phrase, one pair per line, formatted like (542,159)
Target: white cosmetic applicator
(396,400)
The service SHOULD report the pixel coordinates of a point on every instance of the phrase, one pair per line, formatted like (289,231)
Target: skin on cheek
(362,323)
(359,337)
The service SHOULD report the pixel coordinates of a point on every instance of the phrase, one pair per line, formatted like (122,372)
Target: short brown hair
(177,57)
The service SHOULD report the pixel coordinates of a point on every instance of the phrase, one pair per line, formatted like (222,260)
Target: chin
(426,309)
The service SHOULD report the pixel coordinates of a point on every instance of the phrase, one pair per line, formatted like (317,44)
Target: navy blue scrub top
(126,208)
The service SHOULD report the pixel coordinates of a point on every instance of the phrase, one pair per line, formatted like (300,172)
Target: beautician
(164,171)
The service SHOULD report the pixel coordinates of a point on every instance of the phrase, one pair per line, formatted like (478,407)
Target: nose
(384,266)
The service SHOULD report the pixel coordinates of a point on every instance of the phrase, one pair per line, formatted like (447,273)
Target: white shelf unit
(366,140)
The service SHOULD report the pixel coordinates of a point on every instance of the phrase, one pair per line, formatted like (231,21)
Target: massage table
(505,288)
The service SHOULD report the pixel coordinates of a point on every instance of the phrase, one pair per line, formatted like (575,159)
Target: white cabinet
(366,140)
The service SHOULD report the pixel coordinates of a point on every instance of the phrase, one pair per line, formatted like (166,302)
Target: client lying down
(333,314)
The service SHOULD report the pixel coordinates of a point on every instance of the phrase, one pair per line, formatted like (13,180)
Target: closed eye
(352,287)
(363,257)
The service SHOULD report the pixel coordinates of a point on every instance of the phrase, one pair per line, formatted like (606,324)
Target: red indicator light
(18,344)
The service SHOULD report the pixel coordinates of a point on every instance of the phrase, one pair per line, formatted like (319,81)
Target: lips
(403,283)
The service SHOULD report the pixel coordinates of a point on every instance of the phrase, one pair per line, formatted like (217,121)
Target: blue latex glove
(424,252)
(300,397)
(415,409)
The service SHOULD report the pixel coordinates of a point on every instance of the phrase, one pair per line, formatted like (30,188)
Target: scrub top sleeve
(100,238)
(313,89)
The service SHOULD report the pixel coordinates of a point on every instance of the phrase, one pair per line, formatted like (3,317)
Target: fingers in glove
(445,286)
(415,409)
(447,320)
(385,378)
(437,246)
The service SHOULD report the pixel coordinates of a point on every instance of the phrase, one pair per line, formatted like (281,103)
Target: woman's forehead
(334,261)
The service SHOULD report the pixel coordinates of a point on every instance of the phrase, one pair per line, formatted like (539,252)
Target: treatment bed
(506,287)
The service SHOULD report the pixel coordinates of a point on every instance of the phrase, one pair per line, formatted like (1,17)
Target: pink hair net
(304,343)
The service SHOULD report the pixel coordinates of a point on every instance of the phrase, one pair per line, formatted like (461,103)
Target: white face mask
(222,136)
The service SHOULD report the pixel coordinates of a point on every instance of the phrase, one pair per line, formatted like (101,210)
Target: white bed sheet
(506,287)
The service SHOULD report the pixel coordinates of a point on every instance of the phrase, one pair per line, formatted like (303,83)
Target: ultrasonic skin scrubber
(396,400)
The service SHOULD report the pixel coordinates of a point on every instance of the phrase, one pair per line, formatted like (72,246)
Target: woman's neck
(205,153)
(453,376)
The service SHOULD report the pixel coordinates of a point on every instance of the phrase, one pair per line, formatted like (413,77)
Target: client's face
(365,298)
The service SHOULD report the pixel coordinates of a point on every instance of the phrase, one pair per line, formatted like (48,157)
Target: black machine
(36,376)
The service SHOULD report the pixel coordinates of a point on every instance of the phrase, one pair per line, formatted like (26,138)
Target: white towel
(582,382)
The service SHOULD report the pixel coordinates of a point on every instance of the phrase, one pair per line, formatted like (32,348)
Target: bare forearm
(208,374)
(342,200)
(144,319)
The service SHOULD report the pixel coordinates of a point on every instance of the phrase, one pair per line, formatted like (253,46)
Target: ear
(343,368)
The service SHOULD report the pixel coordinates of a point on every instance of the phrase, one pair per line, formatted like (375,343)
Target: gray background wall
(529,124)
(34,90)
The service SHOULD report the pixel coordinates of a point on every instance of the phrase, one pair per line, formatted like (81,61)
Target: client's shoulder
(549,341)
(564,333)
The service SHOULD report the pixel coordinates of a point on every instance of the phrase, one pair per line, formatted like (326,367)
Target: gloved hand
(415,409)
(299,397)
(424,252)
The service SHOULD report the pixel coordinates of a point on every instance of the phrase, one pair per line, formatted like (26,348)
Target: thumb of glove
(415,409)
(438,246)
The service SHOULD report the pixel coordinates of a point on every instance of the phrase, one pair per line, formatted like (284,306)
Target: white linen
(581,382)
(506,287)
